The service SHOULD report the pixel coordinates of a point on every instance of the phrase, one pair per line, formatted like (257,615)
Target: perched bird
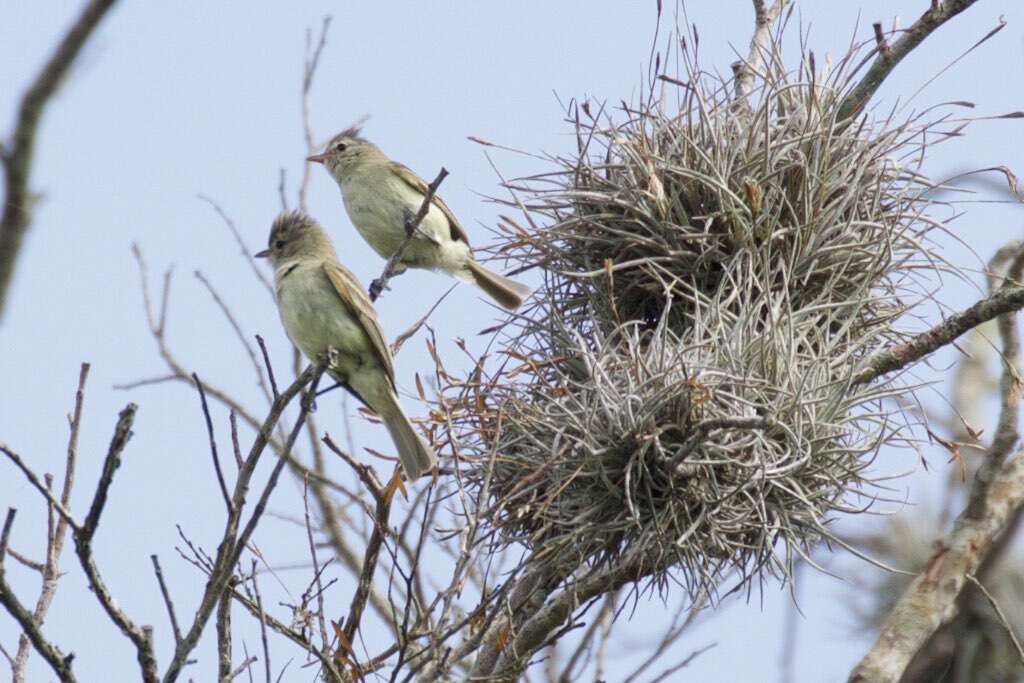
(380,194)
(323,305)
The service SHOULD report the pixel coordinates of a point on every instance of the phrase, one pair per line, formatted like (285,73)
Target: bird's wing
(416,183)
(350,291)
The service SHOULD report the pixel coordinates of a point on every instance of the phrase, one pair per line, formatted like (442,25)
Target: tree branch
(233,542)
(930,599)
(58,661)
(412,224)
(57,533)
(745,70)
(1005,300)
(994,500)
(141,636)
(935,16)
(17,160)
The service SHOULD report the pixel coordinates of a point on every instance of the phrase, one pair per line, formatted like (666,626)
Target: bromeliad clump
(683,391)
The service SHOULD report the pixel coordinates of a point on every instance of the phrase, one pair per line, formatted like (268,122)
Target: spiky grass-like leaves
(682,389)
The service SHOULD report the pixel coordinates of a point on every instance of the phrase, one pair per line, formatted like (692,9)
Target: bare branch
(266,362)
(935,16)
(50,569)
(309,67)
(242,338)
(141,636)
(412,225)
(213,445)
(1006,300)
(234,541)
(324,638)
(58,661)
(17,160)
(263,624)
(995,498)
(167,598)
(122,433)
(999,613)
(246,251)
(370,558)
(745,70)
(927,602)
(39,486)
(223,622)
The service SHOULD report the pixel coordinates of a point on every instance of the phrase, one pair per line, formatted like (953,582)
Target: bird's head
(295,235)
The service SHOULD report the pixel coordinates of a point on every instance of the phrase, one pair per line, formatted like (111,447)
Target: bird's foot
(376,288)
(395,484)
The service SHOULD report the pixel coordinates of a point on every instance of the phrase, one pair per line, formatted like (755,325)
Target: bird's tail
(417,457)
(508,293)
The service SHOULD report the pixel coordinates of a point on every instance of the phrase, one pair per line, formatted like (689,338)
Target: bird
(326,312)
(380,195)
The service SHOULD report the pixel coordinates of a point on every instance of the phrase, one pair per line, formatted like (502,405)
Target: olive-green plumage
(323,305)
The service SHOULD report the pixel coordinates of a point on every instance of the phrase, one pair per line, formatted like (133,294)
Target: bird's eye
(340,147)
(278,244)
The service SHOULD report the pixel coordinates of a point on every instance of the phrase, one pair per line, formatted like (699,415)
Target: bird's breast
(315,318)
(378,206)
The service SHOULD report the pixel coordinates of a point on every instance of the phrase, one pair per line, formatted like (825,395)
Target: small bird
(381,194)
(323,306)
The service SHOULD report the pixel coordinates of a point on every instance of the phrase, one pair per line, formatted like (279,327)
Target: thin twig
(234,540)
(266,362)
(140,636)
(246,663)
(324,637)
(57,533)
(242,338)
(309,67)
(39,486)
(263,623)
(396,345)
(412,225)
(168,603)
(213,444)
(999,613)
(58,661)
(281,184)
(246,251)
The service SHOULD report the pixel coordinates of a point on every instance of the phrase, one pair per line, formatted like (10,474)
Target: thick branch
(930,599)
(745,70)
(17,160)
(1005,300)
(939,13)
(534,631)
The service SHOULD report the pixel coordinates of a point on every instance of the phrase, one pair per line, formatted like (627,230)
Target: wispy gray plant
(716,268)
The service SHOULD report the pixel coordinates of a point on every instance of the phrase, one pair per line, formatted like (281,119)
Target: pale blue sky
(175,99)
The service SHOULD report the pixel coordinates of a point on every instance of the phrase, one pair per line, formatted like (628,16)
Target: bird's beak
(318,158)
(262,254)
